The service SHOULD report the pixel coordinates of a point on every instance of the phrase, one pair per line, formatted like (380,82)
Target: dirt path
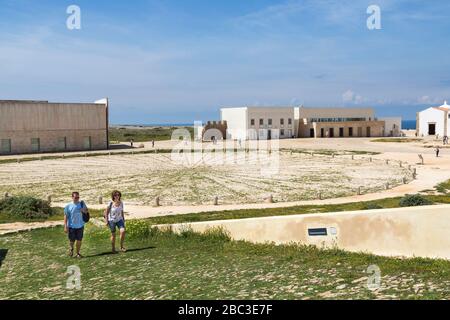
(7,228)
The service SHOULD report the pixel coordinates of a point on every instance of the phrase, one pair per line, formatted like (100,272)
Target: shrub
(414,201)
(26,208)
(217,234)
(372,206)
(137,229)
(443,187)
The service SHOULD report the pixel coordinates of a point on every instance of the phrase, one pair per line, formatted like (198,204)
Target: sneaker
(79,256)
(123,249)
(71,253)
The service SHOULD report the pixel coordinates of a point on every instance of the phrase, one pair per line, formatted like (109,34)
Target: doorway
(331,132)
(311,133)
(341,132)
(432,129)
(359,132)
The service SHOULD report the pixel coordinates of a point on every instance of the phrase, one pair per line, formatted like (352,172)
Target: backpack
(86,216)
(108,211)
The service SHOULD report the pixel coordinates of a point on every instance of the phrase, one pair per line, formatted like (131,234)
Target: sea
(409,124)
(406,125)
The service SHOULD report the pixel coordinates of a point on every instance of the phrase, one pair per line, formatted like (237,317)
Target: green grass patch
(163,265)
(329,152)
(145,134)
(443,187)
(397,140)
(255,213)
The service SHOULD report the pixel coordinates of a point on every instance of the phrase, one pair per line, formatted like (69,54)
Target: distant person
(115,219)
(437,152)
(240,143)
(153,143)
(74,224)
(132,143)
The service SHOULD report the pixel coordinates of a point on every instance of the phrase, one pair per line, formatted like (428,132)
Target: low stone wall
(408,232)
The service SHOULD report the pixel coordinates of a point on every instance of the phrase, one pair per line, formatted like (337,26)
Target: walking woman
(115,218)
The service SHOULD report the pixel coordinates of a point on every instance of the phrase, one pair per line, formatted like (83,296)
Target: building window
(35,144)
(282,132)
(270,122)
(62,143)
(87,143)
(282,121)
(289,121)
(261,122)
(6,146)
(252,122)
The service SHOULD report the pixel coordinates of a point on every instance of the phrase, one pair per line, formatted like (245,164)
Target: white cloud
(350,97)
(428,100)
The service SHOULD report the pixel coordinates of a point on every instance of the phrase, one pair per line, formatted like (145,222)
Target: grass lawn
(253,213)
(144,134)
(401,140)
(33,265)
(443,187)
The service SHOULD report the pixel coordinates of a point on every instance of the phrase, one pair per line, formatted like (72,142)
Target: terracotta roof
(441,108)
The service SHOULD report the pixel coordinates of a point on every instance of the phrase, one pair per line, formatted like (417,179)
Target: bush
(137,229)
(414,201)
(372,206)
(26,208)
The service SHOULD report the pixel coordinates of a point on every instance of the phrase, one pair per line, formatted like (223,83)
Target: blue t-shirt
(74,215)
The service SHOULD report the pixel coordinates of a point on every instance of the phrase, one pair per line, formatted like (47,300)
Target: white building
(252,123)
(299,122)
(392,126)
(433,121)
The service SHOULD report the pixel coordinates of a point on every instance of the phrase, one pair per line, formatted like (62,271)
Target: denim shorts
(76,234)
(113,225)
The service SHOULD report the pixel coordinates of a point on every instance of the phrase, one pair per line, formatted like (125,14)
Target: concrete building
(434,121)
(337,122)
(392,126)
(300,122)
(41,126)
(259,123)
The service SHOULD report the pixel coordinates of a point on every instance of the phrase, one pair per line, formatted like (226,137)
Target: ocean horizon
(406,125)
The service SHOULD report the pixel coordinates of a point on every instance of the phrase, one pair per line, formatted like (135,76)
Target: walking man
(437,152)
(74,224)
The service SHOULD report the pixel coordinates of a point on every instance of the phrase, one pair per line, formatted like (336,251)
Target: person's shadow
(3,253)
(109,253)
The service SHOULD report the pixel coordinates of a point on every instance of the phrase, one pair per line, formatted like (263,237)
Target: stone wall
(216,129)
(22,121)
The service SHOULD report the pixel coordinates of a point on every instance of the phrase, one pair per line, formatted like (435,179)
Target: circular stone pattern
(233,178)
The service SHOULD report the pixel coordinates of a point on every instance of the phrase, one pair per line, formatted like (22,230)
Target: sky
(182,60)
